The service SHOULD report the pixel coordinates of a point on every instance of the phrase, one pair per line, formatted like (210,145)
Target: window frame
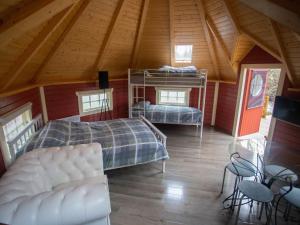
(4,120)
(80,94)
(186,90)
(183,61)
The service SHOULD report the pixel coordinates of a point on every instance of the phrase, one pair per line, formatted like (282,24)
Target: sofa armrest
(69,163)
(78,204)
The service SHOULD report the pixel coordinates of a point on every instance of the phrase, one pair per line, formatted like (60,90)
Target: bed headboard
(17,144)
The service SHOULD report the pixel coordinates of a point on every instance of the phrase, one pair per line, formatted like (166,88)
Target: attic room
(149,112)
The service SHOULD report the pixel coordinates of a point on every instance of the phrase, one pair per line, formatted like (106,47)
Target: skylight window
(183,53)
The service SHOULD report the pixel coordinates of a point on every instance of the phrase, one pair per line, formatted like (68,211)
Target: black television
(287,109)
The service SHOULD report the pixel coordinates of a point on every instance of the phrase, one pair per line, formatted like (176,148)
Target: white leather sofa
(63,186)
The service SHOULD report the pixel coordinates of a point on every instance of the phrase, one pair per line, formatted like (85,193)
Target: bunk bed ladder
(136,94)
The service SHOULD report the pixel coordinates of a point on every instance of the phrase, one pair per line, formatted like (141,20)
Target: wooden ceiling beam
(32,49)
(79,7)
(208,37)
(231,16)
(259,43)
(28,16)
(172,36)
(275,12)
(98,65)
(219,39)
(217,36)
(281,49)
(140,29)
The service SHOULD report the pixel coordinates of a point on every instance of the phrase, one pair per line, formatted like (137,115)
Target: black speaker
(103,79)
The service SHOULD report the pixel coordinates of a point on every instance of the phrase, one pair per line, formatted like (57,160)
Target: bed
(125,142)
(168,114)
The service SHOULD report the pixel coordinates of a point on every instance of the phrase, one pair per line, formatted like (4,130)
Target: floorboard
(188,193)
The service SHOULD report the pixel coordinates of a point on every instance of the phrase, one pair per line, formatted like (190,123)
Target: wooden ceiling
(54,41)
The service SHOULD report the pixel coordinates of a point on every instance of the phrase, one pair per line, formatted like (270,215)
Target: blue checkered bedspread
(125,142)
(170,114)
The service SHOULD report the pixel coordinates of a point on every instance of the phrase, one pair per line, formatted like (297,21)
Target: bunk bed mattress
(125,142)
(170,114)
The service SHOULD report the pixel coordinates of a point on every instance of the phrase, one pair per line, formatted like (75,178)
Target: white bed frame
(16,145)
(140,79)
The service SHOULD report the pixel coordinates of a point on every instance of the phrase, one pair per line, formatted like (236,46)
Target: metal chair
(256,191)
(241,168)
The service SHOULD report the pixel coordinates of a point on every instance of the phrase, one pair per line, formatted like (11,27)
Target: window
(12,124)
(91,102)
(173,96)
(183,53)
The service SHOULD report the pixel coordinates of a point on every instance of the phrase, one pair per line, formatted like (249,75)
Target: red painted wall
(226,107)
(62,101)
(10,103)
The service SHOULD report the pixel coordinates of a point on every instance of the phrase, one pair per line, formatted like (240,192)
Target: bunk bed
(125,142)
(168,77)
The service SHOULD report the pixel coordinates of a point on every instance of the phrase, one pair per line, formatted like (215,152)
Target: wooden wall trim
(43,103)
(215,104)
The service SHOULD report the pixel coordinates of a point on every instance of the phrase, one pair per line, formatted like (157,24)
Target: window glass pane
(103,96)
(85,98)
(183,53)
(173,93)
(164,99)
(173,100)
(95,104)
(86,106)
(180,100)
(94,97)
(163,93)
(181,94)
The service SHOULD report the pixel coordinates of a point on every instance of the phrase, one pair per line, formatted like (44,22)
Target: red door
(253,100)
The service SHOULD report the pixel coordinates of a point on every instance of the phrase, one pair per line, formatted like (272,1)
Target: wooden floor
(188,193)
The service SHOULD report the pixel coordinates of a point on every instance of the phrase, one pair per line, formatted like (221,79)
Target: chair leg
(238,211)
(270,211)
(235,192)
(224,174)
(261,210)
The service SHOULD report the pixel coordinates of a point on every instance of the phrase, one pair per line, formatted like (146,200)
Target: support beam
(27,16)
(98,65)
(208,37)
(219,39)
(281,49)
(260,44)
(32,49)
(217,36)
(140,30)
(240,30)
(172,38)
(231,16)
(275,12)
(79,7)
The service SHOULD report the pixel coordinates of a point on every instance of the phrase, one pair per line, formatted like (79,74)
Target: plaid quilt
(170,114)
(124,142)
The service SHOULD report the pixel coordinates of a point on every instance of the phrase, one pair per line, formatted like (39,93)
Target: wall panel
(60,107)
